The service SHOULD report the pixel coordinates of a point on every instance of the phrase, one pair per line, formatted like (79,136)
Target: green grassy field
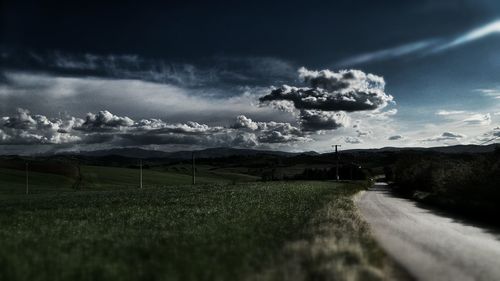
(13,181)
(251,231)
(98,177)
(233,174)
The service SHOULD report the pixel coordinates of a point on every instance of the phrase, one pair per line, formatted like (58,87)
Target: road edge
(395,270)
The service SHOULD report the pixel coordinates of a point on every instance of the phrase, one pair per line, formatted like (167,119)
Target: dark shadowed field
(217,231)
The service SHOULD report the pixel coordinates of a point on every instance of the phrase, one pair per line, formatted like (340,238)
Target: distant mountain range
(205,153)
(466,148)
(226,152)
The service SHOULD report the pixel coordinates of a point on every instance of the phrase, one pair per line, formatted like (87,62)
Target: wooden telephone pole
(27,178)
(193,169)
(336,161)
(140,168)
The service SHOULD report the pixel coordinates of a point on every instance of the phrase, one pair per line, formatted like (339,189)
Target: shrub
(471,184)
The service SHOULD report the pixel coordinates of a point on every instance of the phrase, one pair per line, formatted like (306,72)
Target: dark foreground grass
(210,232)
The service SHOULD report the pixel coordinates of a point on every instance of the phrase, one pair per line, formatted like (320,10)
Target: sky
(280,75)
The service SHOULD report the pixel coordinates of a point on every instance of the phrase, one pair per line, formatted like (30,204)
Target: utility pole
(193,169)
(337,161)
(27,176)
(140,168)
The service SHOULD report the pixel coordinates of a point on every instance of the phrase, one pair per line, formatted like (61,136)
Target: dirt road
(429,245)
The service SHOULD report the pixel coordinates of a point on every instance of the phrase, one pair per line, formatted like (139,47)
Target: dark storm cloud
(323,105)
(135,139)
(315,120)
(346,90)
(280,137)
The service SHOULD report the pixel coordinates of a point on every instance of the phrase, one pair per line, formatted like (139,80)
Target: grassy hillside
(203,232)
(228,174)
(13,179)
(14,182)
(98,177)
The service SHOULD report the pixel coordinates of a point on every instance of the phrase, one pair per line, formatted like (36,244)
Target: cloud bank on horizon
(106,128)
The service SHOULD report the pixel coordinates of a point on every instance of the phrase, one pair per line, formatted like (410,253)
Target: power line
(490,140)
(337,161)
(140,167)
(27,176)
(193,168)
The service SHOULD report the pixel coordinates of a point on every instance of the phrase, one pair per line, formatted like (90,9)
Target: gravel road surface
(429,245)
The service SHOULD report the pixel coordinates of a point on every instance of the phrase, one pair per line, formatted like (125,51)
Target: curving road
(428,245)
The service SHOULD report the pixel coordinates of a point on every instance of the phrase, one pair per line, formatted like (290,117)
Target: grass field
(98,177)
(248,231)
(13,181)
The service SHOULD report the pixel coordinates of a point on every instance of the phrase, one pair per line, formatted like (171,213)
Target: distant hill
(221,152)
(181,155)
(469,148)
(133,152)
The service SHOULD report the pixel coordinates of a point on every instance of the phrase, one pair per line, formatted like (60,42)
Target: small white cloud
(478,120)
(363,133)
(352,140)
(446,136)
(493,93)
(449,112)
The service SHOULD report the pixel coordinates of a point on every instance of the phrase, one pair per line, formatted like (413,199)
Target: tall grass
(336,244)
(207,232)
